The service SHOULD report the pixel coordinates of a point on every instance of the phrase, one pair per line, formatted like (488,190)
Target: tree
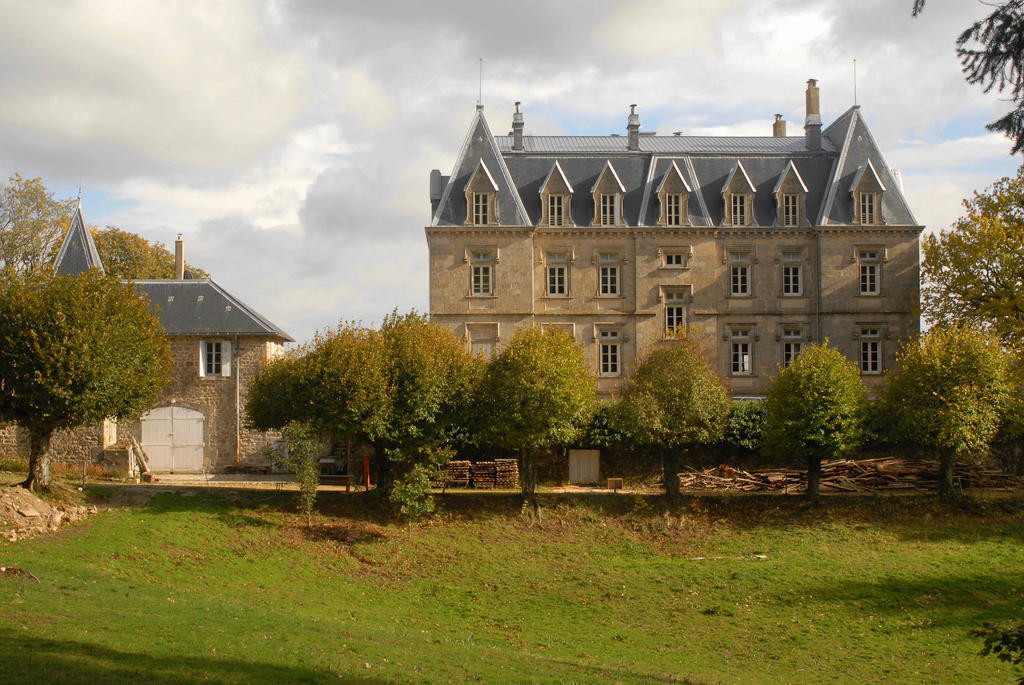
(674,401)
(304,445)
(32,224)
(991,53)
(815,408)
(73,351)
(128,255)
(536,395)
(1006,644)
(947,394)
(974,274)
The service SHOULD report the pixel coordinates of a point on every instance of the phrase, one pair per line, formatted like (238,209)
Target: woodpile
(862,476)
(483,475)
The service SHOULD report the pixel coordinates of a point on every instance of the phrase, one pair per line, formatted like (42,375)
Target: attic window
(481,208)
(673,209)
(556,210)
(867,208)
(738,203)
(609,209)
(790,209)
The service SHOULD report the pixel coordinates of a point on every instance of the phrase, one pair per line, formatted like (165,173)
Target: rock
(28,513)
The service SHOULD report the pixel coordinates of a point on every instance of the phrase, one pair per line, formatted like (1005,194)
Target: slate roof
(78,251)
(201,307)
(705,162)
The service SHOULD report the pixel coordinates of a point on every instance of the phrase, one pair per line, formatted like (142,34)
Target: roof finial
(79,198)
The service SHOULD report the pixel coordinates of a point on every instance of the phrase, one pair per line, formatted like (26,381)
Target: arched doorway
(172,438)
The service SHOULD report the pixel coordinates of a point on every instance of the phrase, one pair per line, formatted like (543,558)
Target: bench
(334,479)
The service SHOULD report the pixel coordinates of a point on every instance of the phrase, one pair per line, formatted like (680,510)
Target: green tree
(991,53)
(974,274)
(745,428)
(815,408)
(128,255)
(536,395)
(73,351)
(947,394)
(304,445)
(32,224)
(674,402)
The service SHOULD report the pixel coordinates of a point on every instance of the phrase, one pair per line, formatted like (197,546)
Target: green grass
(229,587)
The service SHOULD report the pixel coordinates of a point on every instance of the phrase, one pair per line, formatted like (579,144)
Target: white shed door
(172,438)
(584,466)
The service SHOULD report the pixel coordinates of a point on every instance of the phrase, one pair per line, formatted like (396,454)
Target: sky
(291,141)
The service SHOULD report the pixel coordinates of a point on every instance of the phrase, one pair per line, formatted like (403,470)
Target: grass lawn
(231,587)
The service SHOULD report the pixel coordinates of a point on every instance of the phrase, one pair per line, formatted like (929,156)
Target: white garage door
(584,466)
(172,438)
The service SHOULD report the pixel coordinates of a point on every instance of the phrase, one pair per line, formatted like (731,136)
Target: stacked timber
(485,475)
(506,473)
(456,475)
(862,476)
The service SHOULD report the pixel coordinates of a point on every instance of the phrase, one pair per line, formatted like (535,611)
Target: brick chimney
(812,125)
(517,128)
(179,258)
(633,128)
(779,127)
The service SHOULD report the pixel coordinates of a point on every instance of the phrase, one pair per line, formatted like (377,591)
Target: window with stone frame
(556,210)
(741,351)
(866,195)
(610,352)
(868,203)
(673,193)
(870,350)
(792,343)
(739,273)
(790,209)
(673,209)
(675,258)
(481,197)
(607,193)
(792,274)
(482,273)
(738,202)
(557,274)
(609,209)
(481,209)
(675,300)
(608,274)
(214,358)
(869,261)
(483,339)
(738,198)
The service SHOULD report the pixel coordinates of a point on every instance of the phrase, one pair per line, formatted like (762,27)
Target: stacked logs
(864,475)
(484,475)
(506,473)
(457,474)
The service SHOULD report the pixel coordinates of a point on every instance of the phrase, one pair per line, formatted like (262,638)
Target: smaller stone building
(218,343)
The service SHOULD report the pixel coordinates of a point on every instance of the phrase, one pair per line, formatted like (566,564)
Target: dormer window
(673,194)
(556,198)
(481,198)
(866,192)
(790,197)
(738,196)
(608,192)
(556,210)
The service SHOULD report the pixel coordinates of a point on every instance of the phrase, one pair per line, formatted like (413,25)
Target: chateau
(756,245)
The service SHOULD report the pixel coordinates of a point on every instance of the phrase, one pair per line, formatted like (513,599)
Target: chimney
(517,129)
(812,125)
(779,127)
(633,128)
(436,189)
(179,258)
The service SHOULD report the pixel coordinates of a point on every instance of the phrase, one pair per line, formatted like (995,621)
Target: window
(483,338)
(481,274)
(675,259)
(557,277)
(556,210)
(675,311)
(739,274)
(481,208)
(608,274)
(791,274)
(609,353)
(214,358)
(792,343)
(871,350)
(609,209)
(867,208)
(740,365)
(868,272)
(790,210)
(673,209)
(739,209)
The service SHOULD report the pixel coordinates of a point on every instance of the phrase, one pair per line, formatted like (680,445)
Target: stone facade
(790,261)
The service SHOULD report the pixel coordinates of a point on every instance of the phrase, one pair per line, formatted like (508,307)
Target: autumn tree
(536,395)
(74,350)
(128,255)
(32,223)
(991,53)
(674,402)
(947,394)
(815,408)
(974,274)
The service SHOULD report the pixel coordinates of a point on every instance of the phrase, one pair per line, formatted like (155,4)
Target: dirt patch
(23,514)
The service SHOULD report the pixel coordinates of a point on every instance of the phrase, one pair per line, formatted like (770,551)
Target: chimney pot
(517,128)
(633,129)
(179,258)
(812,124)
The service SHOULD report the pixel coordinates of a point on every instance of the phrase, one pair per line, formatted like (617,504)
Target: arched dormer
(738,198)
(481,198)
(608,193)
(866,194)
(790,198)
(556,198)
(674,197)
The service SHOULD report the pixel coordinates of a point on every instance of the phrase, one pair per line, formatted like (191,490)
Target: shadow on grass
(26,660)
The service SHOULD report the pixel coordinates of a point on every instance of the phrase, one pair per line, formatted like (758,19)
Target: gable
(78,251)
